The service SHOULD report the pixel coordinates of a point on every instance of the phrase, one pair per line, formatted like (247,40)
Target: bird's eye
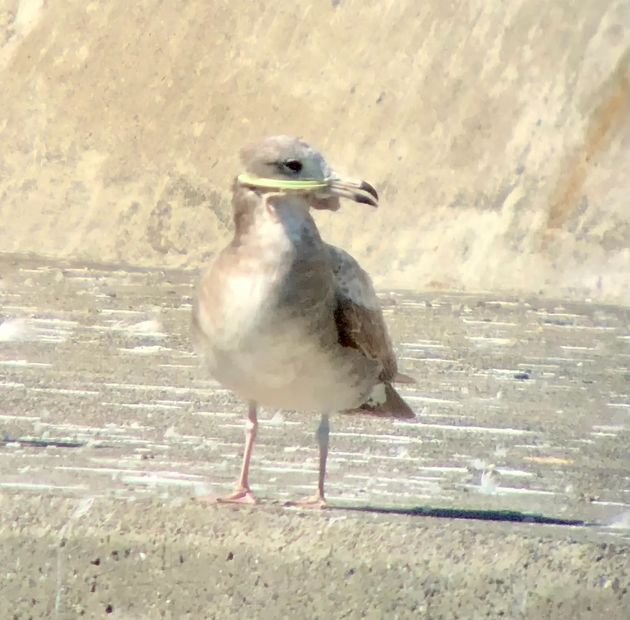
(293,165)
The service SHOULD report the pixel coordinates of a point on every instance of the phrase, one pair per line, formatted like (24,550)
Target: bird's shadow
(505,516)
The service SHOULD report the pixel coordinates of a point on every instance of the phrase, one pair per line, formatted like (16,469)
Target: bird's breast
(259,284)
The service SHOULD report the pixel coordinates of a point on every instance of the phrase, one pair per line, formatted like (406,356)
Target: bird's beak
(359,191)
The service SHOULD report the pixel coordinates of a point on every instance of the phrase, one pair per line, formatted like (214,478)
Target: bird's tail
(385,401)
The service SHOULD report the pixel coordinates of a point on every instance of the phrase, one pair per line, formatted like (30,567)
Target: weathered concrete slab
(170,558)
(109,428)
(496,133)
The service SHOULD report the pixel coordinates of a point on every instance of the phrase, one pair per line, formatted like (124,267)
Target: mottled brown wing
(358,313)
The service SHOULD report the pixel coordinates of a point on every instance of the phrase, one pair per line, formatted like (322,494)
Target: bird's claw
(314,501)
(240,496)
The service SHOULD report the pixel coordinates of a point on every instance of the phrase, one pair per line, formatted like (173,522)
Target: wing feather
(358,313)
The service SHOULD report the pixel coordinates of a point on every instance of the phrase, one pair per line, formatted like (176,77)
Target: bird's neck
(269,217)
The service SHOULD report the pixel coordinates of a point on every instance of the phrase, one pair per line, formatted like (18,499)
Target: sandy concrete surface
(496,132)
(510,497)
(176,559)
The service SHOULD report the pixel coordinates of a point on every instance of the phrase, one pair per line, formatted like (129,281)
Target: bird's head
(287,164)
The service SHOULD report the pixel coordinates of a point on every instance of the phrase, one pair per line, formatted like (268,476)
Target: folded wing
(360,325)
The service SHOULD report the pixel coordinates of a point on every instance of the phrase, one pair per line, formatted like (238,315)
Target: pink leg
(243,494)
(319,499)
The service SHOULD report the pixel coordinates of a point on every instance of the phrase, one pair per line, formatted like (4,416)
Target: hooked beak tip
(366,187)
(366,200)
(359,191)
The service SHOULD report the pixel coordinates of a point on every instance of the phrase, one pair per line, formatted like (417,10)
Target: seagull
(285,320)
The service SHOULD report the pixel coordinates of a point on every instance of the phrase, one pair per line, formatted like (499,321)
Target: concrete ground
(510,497)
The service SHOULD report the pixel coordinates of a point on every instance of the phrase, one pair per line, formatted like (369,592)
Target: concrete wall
(497,132)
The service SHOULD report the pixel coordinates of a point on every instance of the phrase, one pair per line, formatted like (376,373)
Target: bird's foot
(240,496)
(314,501)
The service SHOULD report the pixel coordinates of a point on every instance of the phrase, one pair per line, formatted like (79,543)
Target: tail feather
(385,401)
(401,377)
